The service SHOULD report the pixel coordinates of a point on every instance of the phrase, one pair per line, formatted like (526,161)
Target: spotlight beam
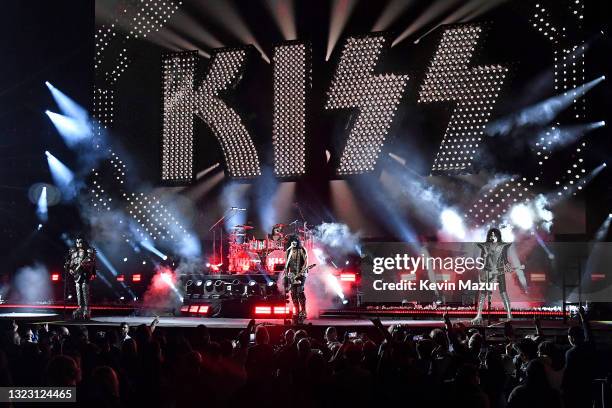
(230,19)
(185,24)
(62,176)
(432,13)
(151,248)
(541,113)
(455,16)
(602,231)
(41,206)
(72,130)
(283,12)
(340,13)
(392,11)
(68,106)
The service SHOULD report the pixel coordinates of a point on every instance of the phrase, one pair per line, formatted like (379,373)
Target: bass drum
(243,262)
(275,261)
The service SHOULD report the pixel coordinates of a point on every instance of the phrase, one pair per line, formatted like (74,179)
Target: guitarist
(295,276)
(495,255)
(81,265)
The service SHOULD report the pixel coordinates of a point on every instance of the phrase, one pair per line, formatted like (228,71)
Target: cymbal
(247,227)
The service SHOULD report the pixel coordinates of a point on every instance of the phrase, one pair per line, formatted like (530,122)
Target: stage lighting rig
(292,72)
(183,98)
(355,86)
(474,89)
(177,130)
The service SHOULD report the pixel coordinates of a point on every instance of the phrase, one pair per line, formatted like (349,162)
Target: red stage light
(120,278)
(193,309)
(348,277)
(203,309)
(136,277)
(281,310)
(185,308)
(259,310)
(598,276)
(55,277)
(538,277)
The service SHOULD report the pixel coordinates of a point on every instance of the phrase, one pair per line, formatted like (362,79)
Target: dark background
(53,41)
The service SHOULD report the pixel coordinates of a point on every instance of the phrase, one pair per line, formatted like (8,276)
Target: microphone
(238,209)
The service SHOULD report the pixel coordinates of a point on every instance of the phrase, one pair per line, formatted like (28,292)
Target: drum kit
(248,254)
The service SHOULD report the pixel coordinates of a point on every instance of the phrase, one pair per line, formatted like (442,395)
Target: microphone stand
(65,290)
(213,229)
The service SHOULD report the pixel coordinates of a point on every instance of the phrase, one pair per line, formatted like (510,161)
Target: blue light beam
(73,131)
(62,176)
(42,209)
(149,247)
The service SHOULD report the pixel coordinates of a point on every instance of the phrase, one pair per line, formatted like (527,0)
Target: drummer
(277,235)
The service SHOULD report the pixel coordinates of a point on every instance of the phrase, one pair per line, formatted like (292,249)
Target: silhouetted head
(575,335)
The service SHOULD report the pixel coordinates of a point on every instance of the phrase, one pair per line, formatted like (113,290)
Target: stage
(494,330)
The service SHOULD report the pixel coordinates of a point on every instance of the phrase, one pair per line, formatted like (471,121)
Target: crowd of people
(454,366)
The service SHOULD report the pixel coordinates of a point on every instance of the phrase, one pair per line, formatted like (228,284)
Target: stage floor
(556,327)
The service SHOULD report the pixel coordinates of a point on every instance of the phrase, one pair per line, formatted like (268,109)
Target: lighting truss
(292,76)
(475,90)
(375,96)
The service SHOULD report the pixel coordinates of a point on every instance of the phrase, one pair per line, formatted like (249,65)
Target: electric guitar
(297,278)
(77,271)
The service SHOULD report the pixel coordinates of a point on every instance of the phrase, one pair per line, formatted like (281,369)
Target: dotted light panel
(375,96)
(565,36)
(111,170)
(474,89)
(177,117)
(134,19)
(154,219)
(182,98)
(569,73)
(292,69)
(489,210)
(226,68)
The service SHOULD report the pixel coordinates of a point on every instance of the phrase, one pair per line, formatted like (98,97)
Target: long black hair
(294,238)
(496,232)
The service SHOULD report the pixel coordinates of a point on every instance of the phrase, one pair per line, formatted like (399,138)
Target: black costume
(295,270)
(495,255)
(81,265)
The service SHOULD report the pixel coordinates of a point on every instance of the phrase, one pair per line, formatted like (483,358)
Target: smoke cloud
(32,284)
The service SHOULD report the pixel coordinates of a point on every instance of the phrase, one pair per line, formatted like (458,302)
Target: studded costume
(494,252)
(81,265)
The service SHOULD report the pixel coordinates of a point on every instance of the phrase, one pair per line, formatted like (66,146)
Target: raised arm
(154,324)
(538,327)
(586,326)
(378,324)
(452,335)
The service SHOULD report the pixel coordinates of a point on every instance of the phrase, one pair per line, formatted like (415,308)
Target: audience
(456,366)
